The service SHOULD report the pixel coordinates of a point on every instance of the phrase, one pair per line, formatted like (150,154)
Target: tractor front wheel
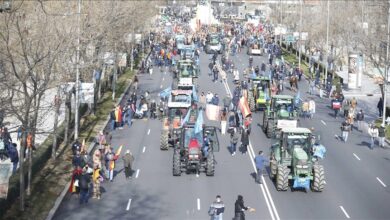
(273,169)
(282,178)
(176,163)
(164,141)
(210,165)
(318,182)
(269,128)
(251,101)
(265,120)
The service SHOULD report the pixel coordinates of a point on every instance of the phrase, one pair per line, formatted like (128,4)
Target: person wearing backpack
(84,181)
(217,208)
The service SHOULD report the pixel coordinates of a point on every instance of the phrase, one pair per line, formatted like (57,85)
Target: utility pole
(114,77)
(386,68)
(77,105)
(300,36)
(327,44)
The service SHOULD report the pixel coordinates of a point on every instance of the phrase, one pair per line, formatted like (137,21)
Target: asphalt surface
(353,172)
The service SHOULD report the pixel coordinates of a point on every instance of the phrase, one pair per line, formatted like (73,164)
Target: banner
(87,92)
(244,107)
(212,112)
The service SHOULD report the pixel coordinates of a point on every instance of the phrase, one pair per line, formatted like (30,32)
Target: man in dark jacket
(380,106)
(244,140)
(217,208)
(239,208)
(360,119)
(14,156)
(112,119)
(215,100)
(127,161)
(84,182)
(76,147)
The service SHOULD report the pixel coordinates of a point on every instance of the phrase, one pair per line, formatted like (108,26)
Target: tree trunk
(57,103)
(21,170)
(67,117)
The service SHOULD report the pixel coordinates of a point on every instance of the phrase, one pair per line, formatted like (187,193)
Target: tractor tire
(265,121)
(176,163)
(210,165)
(318,182)
(282,178)
(273,166)
(269,128)
(164,141)
(251,101)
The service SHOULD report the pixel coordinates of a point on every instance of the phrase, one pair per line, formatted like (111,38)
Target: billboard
(87,92)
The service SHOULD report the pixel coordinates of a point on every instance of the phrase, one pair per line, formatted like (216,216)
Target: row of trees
(38,44)
(353,26)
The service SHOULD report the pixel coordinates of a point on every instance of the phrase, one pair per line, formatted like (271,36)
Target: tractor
(179,102)
(187,52)
(186,74)
(194,151)
(292,162)
(255,48)
(259,92)
(213,44)
(280,113)
(179,42)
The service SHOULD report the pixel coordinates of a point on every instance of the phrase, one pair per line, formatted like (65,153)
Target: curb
(90,148)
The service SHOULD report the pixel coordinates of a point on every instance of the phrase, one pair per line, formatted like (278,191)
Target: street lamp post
(76,124)
(300,37)
(386,68)
(327,43)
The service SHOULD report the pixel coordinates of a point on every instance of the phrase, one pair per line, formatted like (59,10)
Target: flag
(118,152)
(244,107)
(212,112)
(165,92)
(185,120)
(83,146)
(199,123)
(194,95)
(297,98)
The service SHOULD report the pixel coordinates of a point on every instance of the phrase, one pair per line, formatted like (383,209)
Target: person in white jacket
(312,108)
(373,132)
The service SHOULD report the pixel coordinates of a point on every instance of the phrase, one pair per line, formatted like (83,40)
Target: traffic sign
(289,39)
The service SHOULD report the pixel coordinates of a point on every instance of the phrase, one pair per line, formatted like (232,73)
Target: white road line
(161,86)
(197,175)
(163,79)
(128,205)
(143,150)
(384,185)
(148,131)
(136,175)
(356,156)
(165,73)
(345,212)
(267,195)
(323,122)
(198,203)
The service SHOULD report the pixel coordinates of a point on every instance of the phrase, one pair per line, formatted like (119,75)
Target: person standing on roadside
(217,208)
(233,141)
(380,107)
(345,129)
(244,140)
(360,119)
(382,135)
(128,161)
(259,161)
(84,181)
(223,122)
(373,132)
(96,178)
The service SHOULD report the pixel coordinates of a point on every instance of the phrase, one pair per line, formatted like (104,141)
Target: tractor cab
(187,52)
(283,106)
(187,72)
(260,92)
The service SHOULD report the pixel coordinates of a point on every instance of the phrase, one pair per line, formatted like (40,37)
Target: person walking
(312,108)
(110,163)
(96,179)
(259,161)
(112,119)
(84,182)
(240,208)
(373,132)
(360,119)
(128,159)
(202,100)
(345,129)
(14,156)
(217,208)
(380,107)
(233,141)
(382,135)
(209,97)
(223,122)
(244,140)
(346,106)
(215,99)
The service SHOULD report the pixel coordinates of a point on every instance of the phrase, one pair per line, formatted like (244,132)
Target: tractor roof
(260,78)
(282,97)
(296,130)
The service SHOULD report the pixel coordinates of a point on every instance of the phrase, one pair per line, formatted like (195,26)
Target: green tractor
(292,161)
(280,113)
(194,151)
(186,73)
(259,93)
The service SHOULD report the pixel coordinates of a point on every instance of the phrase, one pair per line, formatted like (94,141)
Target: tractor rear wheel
(318,182)
(210,165)
(164,141)
(273,169)
(176,163)
(251,101)
(282,178)
(270,128)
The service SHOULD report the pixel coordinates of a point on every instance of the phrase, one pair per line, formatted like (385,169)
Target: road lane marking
(163,79)
(165,73)
(198,203)
(323,122)
(148,131)
(128,205)
(345,212)
(356,156)
(384,185)
(143,150)
(197,175)
(161,86)
(264,189)
(136,175)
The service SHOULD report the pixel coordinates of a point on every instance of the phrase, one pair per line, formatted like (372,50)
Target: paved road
(352,188)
